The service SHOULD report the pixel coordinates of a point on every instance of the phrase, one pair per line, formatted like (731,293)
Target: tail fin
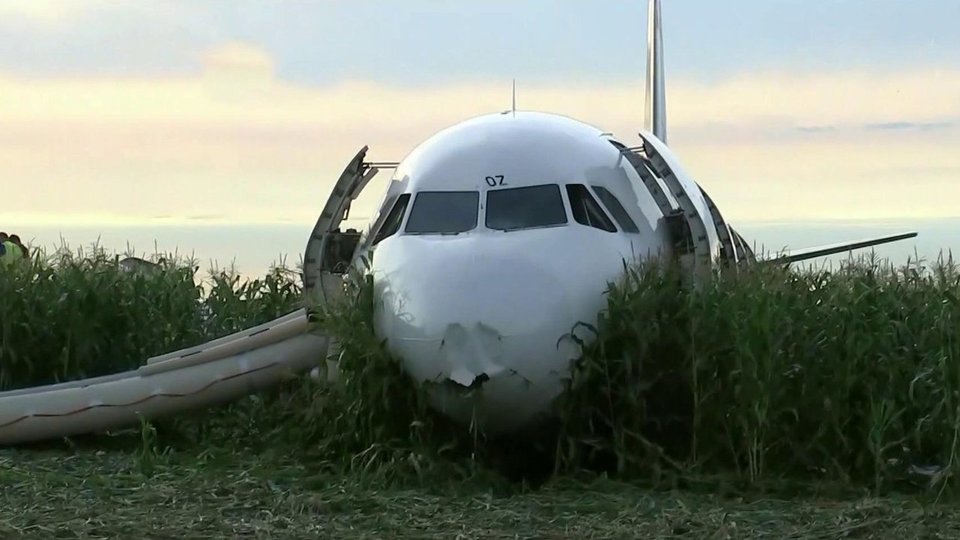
(656,110)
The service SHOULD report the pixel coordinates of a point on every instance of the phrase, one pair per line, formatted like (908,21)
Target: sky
(242,112)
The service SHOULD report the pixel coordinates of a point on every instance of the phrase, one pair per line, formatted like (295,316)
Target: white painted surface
(499,304)
(244,364)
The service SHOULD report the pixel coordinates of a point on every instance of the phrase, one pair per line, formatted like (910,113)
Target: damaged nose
(485,329)
(472,355)
(453,321)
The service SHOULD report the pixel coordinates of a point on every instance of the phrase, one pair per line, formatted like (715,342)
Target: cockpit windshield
(443,212)
(616,209)
(525,208)
(391,224)
(586,210)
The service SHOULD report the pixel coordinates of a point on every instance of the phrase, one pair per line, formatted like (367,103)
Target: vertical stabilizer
(656,110)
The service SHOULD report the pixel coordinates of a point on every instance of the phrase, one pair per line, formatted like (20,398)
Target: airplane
(497,235)
(494,239)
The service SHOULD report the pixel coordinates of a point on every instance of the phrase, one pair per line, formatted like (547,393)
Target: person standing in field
(23,249)
(9,250)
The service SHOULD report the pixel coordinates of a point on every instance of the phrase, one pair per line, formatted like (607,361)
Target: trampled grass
(235,493)
(764,384)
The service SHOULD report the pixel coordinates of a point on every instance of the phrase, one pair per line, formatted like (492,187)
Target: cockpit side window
(393,220)
(525,208)
(586,210)
(616,209)
(443,212)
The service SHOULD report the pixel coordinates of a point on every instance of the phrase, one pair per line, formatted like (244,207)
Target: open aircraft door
(330,251)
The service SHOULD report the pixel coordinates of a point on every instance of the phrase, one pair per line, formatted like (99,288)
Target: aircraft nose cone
(488,332)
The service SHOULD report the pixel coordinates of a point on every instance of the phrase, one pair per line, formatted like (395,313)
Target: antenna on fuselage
(513,103)
(656,106)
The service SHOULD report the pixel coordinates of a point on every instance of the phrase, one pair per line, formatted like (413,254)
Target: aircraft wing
(792,256)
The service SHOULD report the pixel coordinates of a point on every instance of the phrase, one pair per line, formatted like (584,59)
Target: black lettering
(495,180)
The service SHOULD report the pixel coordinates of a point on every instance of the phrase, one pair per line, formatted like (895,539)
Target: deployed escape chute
(213,373)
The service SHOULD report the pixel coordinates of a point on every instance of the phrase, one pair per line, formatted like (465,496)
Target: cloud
(879,127)
(238,57)
(816,129)
(839,100)
(238,88)
(46,11)
(56,15)
(236,144)
(906,126)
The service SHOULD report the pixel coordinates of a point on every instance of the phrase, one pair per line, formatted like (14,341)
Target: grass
(75,314)
(762,377)
(767,374)
(236,494)
(768,403)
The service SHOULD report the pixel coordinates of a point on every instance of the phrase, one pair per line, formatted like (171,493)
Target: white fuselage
(484,314)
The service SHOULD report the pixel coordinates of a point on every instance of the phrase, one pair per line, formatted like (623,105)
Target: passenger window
(393,220)
(586,209)
(443,212)
(616,209)
(525,208)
